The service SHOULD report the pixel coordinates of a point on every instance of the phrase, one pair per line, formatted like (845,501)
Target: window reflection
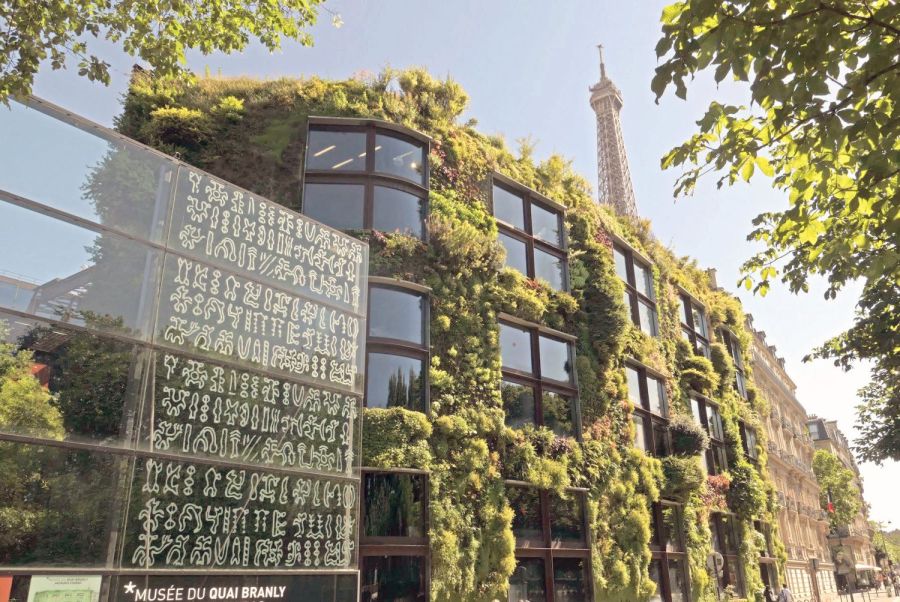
(656,578)
(555,362)
(567,519)
(400,158)
(527,583)
(393,578)
(106,181)
(558,415)
(527,524)
(70,384)
(677,581)
(640,433)
(394,505)
(569,579)
(336,151)
(58,502)
(518,403)
(633,378)
(516,253)
(508,207)
(657,395)
(77,275)
(394,381)
(397,211)
(515,348)
(396,314)
(671,528)
(545,225)
(337,205)
(550,268)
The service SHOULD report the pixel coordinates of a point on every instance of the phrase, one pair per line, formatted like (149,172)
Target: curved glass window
(400,158)
(340,206)
(363,163)
(395,381)
(397,314)
(336,150)
(394,210)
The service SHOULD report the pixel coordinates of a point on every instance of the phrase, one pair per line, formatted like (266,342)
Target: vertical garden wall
(252,133)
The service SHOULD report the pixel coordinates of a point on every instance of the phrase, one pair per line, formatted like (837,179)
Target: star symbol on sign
(129,587)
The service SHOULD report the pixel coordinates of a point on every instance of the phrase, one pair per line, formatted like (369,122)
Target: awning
(866,567)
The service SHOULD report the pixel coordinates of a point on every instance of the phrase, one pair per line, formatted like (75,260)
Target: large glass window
(340,206)
(640,297)
(734,350)
(669,564)
(397,370)
(707,413)
(394,578)
(360,176)
(749,441)
(531,231)
(393,539)
(727,542)
(538,386)
(648,395)
(552,552)
(694,328)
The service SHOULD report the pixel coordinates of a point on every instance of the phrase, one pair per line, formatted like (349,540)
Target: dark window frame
(536,381)
(660,553)
(369,178)
(651,420)
(750,451)
(635,296)
(716,455)
(396,546)
(399,347)
(532,243)
(731,557)
(699,342)
(737,356)
(547,549)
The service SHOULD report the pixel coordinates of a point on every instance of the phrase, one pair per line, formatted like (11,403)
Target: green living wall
(251,133)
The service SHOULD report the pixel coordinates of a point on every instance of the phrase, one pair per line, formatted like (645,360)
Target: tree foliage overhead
(836,485)
(822,121)
(157,32)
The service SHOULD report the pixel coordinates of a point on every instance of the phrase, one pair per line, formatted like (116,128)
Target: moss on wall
(252,132)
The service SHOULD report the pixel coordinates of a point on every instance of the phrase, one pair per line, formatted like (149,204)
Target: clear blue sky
(527,67)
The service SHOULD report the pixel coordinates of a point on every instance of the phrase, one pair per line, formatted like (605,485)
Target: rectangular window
(734,350)
(398,347)
(539,384)
(394,505)
(749,441)
(694,327)
(650,413)
(707,414)
(668,567)
(532,233)
(640,297)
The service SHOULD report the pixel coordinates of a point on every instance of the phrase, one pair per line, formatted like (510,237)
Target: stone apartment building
(803,525)
(855,540)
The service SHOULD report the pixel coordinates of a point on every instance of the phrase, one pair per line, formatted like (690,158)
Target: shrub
(682,477)
(179,126)
(689,438)
(229,108)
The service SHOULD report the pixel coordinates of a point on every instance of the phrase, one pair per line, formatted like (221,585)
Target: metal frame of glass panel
(653,422)
(690,328)
(546,548)
(534,244)
(668,555)
(161,181)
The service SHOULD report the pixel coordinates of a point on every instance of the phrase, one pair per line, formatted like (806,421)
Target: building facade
(851,546)
(803,525)
(536,377)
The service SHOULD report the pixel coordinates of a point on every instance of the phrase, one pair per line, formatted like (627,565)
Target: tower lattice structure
(613,177)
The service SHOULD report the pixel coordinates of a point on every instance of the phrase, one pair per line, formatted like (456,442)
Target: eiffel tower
(614,186)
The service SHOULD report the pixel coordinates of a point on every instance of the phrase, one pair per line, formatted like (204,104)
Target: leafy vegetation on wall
(252,133)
